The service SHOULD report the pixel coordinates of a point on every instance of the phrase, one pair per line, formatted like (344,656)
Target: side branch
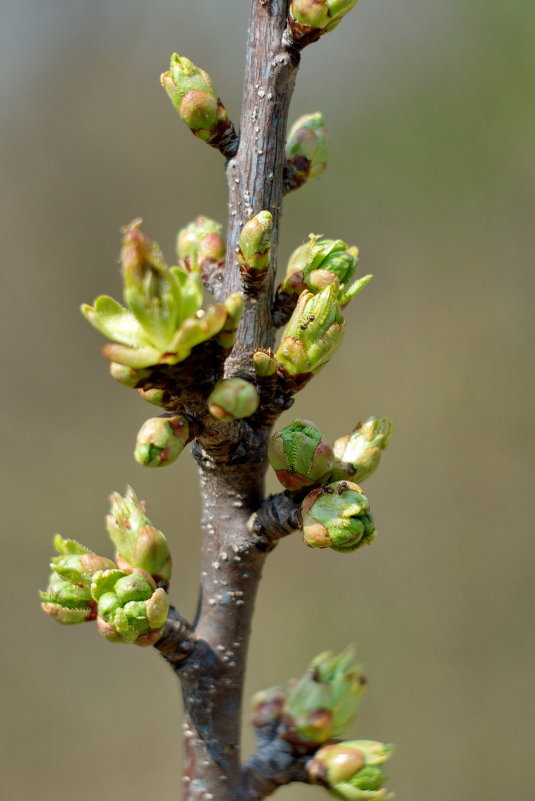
(273,765)
(178,640)
(278,517)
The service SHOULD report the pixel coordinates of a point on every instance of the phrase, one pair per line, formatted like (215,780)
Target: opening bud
(351,769)
(232,399)
(358,454)
(300,455)
(138,543)
(314,332)
(323,702)
(68,598)
(161,440)
(337,516)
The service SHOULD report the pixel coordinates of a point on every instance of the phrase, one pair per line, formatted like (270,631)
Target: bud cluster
(126,597)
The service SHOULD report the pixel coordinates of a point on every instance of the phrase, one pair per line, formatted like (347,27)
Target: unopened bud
(337,516)
(306,150)
(322,14)
(300,455)
(358,454)
(156,397)
(264,363)
(201,247)
(232,399)
(192,93)
(127,375)
(161,440)
(254,250)
(234,308)
(267,706)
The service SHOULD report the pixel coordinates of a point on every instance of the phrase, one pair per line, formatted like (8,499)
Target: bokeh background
(430,108)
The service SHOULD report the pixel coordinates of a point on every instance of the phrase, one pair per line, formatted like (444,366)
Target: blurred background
(430,109)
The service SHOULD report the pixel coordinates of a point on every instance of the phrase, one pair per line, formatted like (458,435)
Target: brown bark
(238,528)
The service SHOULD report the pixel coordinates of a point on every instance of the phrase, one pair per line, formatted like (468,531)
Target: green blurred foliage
(431,118)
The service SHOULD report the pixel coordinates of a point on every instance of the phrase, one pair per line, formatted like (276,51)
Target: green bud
(351,769)
(300,455)
(138,544)
(264,363)
(161,440)
(130,608)
(234,308)
(267,706)
(358,454)
(337,516)
(317,263)
(68,596)
(156,397)
(324,701)
(313,334)
(127,375)
(307,148)
(232,399)
(192,94)
(322,14)
(201,248)
(254,251)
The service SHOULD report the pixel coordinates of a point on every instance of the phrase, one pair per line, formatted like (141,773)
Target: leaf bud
(306,149)
(232,399)
(358,454)
(267,706)
(161,440)
(138,543)
(192,94)
(130,607)
(337,516)
(300,455)
(351,769)
(67,598)
(254,250)
(323,702)
(314,332)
